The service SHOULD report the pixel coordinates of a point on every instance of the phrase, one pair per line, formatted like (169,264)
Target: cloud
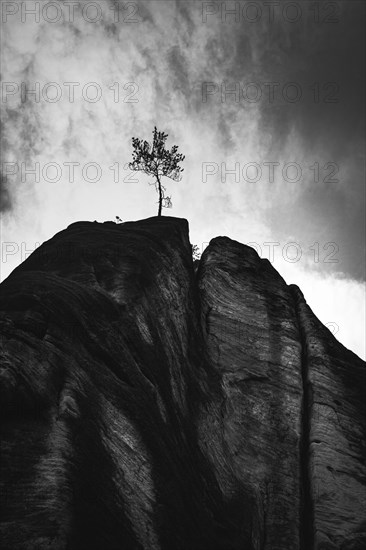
(324,129)
(5,199)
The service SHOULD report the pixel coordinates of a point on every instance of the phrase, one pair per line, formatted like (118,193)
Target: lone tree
(155,160)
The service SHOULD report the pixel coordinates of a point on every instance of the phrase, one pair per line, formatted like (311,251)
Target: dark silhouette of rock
(147,403)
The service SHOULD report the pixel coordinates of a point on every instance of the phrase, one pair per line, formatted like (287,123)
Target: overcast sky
(264,99)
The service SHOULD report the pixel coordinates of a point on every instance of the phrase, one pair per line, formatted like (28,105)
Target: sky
(265,100)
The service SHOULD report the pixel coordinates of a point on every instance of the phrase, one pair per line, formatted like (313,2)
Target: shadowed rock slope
(146,404)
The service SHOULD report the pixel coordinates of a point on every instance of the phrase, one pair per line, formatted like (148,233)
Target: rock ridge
(156,404)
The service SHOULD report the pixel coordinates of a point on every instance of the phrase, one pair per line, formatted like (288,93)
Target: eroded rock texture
(148,404)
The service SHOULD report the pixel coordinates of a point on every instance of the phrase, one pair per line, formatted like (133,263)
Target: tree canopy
(157,161)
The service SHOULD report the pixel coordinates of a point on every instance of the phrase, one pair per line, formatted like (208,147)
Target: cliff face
(149,405)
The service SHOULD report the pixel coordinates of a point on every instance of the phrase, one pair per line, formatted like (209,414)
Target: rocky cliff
(146,404)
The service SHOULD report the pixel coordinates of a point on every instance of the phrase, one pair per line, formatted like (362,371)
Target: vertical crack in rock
(333,437)
(306,503)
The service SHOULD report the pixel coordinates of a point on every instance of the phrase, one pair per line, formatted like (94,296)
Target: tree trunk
(160,196)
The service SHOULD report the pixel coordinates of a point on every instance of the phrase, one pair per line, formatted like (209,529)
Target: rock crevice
(307,511)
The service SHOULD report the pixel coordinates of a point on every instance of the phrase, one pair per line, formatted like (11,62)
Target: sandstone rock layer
(147,404)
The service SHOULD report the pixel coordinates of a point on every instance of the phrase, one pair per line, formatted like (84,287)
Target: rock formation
(147,404)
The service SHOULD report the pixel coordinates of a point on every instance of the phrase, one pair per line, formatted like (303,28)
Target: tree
(196,255)
(154,160)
